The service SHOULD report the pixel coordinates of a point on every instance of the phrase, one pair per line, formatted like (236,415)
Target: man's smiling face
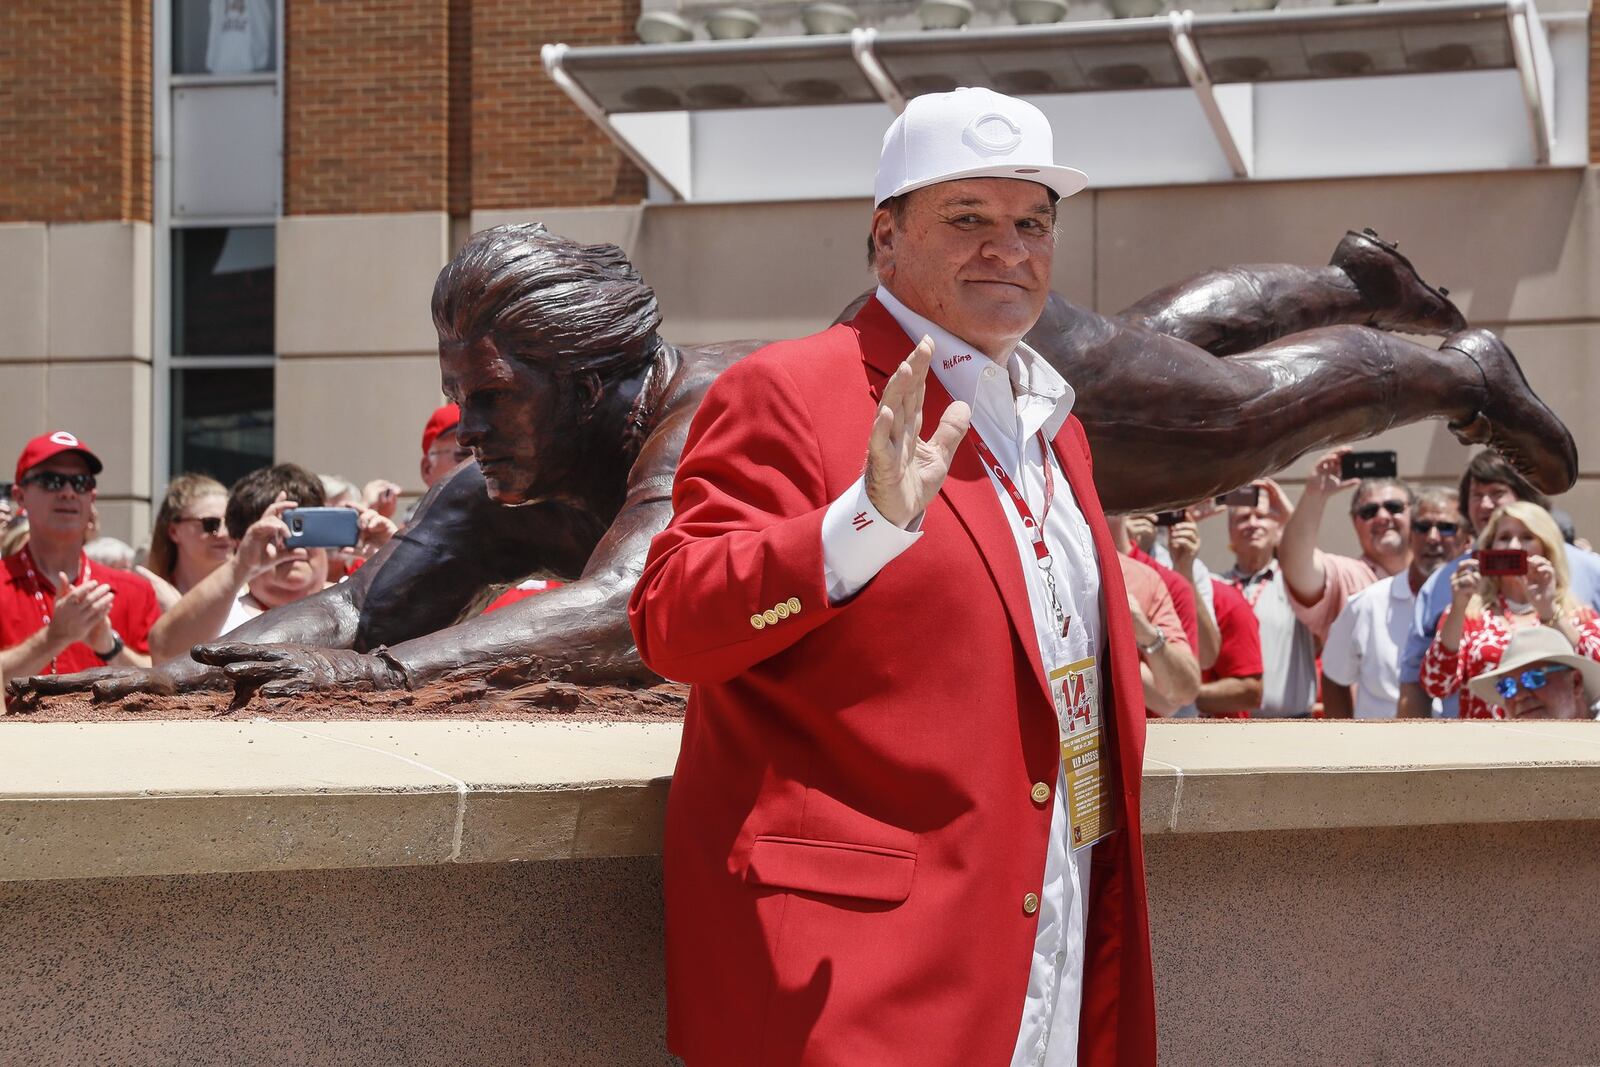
(971,255)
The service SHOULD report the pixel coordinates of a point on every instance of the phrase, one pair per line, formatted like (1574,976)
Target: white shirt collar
(959,367)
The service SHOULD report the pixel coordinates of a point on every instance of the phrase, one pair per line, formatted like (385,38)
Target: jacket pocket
(840,868)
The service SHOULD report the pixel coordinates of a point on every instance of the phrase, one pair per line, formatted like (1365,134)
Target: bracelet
(1155,645)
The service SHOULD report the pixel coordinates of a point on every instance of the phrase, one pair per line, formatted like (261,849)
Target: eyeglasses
(1530,679)
(210,524)
(1427,526)
(1393,507)
(53,482)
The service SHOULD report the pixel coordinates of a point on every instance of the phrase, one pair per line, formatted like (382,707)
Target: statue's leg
(1235,309)
(1171,425)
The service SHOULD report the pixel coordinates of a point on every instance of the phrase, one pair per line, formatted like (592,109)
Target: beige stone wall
(75,306)
(358,371)
(1444,945)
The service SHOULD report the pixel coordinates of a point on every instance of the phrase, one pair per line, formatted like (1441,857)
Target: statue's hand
(288,670)
(114,683)
(55,684)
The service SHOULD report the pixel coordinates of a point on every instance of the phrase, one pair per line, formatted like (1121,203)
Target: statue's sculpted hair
(542,298)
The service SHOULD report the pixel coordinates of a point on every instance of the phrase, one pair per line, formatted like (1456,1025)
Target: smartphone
(1368,465)
(322,527)
(1171,518)
(1498,562)
(1248,497)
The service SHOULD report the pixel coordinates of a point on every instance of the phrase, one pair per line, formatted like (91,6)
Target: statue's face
(515,417)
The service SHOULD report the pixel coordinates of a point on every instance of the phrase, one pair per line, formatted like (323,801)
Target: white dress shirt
(1010,406)
(1364,642)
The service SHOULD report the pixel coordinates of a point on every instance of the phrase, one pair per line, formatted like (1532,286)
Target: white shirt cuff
(857,542)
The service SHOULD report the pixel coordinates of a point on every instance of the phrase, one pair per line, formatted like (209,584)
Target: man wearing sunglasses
(1541,677)
(60,613)
(1361,657)
(1321,582)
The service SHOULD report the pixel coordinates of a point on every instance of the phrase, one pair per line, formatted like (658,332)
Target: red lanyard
(37,585)
(1245,585)
(1035,527)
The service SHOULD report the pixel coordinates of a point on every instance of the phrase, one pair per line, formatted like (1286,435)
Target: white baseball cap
(970,133)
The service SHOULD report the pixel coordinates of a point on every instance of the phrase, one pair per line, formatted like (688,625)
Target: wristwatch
(116,647)
(1154,646)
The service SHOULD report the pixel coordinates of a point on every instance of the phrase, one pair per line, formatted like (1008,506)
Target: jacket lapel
(967,488)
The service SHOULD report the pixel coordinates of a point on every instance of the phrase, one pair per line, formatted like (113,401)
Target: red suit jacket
(850,830)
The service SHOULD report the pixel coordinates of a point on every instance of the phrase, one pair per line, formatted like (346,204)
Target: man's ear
(883,236)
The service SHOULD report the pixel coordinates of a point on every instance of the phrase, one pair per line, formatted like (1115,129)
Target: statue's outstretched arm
(577,632)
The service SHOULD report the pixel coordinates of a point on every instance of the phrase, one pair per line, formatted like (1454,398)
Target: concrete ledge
(99,800)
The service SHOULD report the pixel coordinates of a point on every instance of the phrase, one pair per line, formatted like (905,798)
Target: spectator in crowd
(1569,530)
(1122,528)
(188,540)
(1488,482)
(1485,610)
(1232,687)
(111,552)
(441,451)
(1230,637)
(13,534)
(381,495)
(261,573)
(1167,662)
(59,612)
(1288,653)
(1540,677)
(1321,582)
(339,492)
(1362,651)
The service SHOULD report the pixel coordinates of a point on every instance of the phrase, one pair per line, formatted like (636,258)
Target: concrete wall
(1439,945)
(75,305)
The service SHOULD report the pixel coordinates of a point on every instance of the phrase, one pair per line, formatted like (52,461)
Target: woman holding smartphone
(1516,579)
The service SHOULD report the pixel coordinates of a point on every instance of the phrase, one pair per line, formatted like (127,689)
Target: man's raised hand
(904,472)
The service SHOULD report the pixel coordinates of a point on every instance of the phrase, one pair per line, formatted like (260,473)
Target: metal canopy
(1174,51)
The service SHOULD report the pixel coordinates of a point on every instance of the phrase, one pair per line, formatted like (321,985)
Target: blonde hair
(1542,525)
(182,491)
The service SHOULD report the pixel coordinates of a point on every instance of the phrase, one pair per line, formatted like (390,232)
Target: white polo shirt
(1364,643)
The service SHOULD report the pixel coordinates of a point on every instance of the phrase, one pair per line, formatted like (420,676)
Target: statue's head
(536,335)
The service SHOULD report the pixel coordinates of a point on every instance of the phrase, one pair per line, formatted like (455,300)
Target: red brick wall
(530,145)
(366,104)
(1594,81)
(74,110)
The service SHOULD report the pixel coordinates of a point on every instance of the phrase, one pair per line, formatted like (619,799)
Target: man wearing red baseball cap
(58,612)
(440,449)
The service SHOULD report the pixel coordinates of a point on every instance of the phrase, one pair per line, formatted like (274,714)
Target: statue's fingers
(223,653)
(286,687)
(109,689)
(53,684)
(258,672)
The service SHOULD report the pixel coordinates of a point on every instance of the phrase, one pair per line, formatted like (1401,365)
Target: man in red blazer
(904,826)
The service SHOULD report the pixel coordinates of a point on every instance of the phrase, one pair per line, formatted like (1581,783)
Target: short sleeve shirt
(1150,593)
(1342,578)
(22,613)
(1363,646)
(1178,588)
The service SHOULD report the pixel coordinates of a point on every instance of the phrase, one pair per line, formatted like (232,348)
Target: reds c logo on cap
(993,134)
(62,437)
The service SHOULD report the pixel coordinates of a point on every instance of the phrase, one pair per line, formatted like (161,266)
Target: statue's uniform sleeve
(737,575)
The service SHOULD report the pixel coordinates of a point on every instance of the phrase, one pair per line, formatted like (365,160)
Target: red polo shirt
(133,610)
(1182,594)
(1240,648)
